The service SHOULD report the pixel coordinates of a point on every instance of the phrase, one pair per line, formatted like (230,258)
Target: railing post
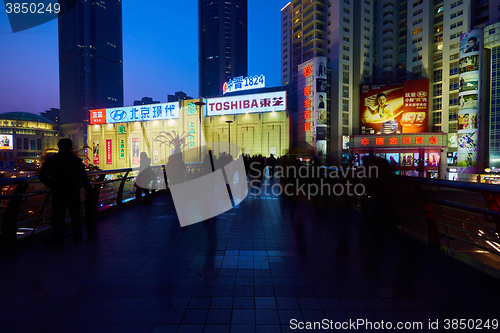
(97,190)
(430,216)
(432,227)
(119,199)
(9,223)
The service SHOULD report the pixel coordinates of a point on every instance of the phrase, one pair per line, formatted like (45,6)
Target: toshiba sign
(266,102)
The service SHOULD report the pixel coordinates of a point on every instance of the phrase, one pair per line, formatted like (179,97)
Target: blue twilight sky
(160,53)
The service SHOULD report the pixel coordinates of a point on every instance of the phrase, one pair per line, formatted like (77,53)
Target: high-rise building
(146,101)
(375,42)
(90,63)
(53,115)
(179,95)
(223,46)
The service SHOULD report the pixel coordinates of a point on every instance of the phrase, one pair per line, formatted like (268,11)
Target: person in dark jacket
(64,173)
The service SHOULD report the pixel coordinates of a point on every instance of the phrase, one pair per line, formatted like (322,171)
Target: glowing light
(273,114)
(137,123)
(493,245)
(171,122)
(110,125)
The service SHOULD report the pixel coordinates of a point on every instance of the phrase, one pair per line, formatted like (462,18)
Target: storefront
(257,123)
(417,155)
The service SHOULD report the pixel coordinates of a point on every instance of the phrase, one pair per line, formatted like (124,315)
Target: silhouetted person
(175,169)
(64,173)
(145,177)
(207,165)
(271,162)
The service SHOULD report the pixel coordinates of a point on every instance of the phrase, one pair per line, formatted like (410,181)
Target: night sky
(160,53)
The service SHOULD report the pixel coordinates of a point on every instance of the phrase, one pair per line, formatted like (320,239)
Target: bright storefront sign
(265,102)
(241,83)
(160,111)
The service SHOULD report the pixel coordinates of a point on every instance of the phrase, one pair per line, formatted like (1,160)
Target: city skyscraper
(90,63)
(223,43)
(376,42)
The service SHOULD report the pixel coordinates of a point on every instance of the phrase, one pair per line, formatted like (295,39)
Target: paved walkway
(250,269)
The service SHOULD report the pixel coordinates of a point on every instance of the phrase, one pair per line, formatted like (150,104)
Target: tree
(173,140)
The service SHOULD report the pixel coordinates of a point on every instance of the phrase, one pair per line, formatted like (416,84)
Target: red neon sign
(307,91)
(365,141)
(419,140)
(406,140)
(379,141)
(393,141)
(307,127)
(308,70)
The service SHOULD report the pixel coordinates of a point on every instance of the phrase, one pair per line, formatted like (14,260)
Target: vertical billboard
(109,152)
(305,132)
(312,103)
(395,107)
(320,102)
(135,151)
(469,92)
(95,150)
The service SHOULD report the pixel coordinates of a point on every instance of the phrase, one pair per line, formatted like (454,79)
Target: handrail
(463,219)
(20,204)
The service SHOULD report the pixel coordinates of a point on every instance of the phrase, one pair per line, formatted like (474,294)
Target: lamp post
(200,103)
(229,125)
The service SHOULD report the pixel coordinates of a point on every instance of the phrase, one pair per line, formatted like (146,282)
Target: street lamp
(229,125)
(200,104)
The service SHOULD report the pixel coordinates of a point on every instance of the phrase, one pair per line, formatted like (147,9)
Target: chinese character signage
(266,102)
(109,152)
(135,113)
(244,83)
(122,149)
(424,140)
(98,116)
(395,107)
(467,138)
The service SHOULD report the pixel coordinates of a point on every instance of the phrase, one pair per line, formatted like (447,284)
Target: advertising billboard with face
(395,108)
(469,113)
(6,141)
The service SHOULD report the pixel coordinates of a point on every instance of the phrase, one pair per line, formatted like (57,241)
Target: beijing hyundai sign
(266,102)
(135,113)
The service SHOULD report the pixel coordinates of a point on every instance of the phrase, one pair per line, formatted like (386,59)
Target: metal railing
(461,219)
(25,204)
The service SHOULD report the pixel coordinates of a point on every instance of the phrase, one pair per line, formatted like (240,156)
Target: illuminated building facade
(25,136)
(260,125)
